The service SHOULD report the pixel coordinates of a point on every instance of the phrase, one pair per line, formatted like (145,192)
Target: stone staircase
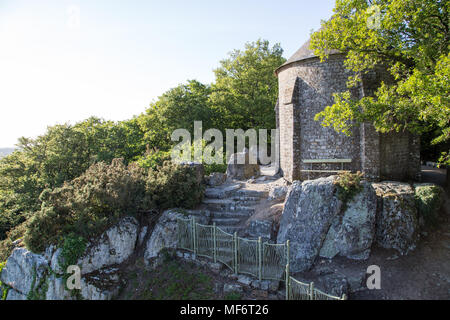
(229,206)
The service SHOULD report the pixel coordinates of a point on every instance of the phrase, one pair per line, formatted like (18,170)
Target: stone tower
(306,86)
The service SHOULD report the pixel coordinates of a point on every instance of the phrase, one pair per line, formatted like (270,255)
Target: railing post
(311,291)
(215,244)
(287,281)
(235,253)
(287,252)
(194,235)
(344,296)
(259,258)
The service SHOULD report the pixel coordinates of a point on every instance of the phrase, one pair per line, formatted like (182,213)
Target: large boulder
(317,223)
(23,271)
(41,276)
(240,166)
(165,232)
(352,231)
(309,210)
(114,246)
(259,228)
(397,218)
(216,179)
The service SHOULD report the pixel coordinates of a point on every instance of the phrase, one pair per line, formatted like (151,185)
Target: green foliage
(153,158)
(87,205)
(177,108)
(90,204)
(428,199)
(233,296)
(3,288)
(177,281)
(412,41)
(60,182)
(63,153)
(39,291)
(214,167)
(72,249)
(174,185)
(348,185)
(6,248)
(246,88)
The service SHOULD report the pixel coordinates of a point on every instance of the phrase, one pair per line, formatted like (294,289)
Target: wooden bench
(321,161)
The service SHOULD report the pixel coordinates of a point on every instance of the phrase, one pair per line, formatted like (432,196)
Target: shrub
(428,199)
(90,204)
(210,168)
(6,245)
(153,158)
(174,185)
(348,185)
(87,205)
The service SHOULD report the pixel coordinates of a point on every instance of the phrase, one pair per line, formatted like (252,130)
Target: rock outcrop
(397,220)
(23,271)
(31,275)
(113,247)
(352,230)
(309,210)
(317,223)
(216,179)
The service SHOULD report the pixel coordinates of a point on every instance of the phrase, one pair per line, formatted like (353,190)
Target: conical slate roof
(303,53)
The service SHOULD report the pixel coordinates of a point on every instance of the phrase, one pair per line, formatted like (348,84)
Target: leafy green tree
(246,88)
(177,108)
(410,38)
(63,153)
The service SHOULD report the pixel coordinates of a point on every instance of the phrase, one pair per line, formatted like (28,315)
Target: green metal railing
(297,290)
(263,260)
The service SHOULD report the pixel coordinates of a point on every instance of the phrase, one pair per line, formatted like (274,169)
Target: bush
(87,205)
(210,168)
(174,185)
(154,158)
(428,199)
(348,185)
(6,245)
(90,204)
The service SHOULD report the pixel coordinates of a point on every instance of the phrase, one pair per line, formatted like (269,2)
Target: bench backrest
(327,161)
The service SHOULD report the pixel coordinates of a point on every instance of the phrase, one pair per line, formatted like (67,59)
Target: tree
(410,38)
(246,88)
(176,108)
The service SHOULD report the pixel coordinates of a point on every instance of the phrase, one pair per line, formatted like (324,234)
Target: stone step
(232,229)
(221,192)
(212,207)
(246,199)
(249,193)
(228,214)
(228,201)
(226,221)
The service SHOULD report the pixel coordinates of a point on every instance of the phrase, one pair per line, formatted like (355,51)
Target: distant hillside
(5,151)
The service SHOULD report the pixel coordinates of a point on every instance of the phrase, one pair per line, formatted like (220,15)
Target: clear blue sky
(63,61)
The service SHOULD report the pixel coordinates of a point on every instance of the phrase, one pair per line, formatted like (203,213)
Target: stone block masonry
(306,87)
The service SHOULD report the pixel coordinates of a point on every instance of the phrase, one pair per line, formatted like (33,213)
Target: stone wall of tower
(306,88)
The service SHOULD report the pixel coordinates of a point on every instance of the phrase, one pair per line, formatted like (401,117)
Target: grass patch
(173,280)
